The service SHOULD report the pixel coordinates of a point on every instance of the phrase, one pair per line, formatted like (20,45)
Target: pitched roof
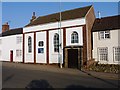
(12,32)
(106,23)
(66,15)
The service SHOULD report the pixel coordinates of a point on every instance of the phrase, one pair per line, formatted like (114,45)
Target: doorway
(11,56)
(72,58)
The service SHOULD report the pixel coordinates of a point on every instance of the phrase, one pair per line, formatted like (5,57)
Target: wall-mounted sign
(40,50)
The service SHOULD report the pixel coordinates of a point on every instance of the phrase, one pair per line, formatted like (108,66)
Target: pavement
(56,69)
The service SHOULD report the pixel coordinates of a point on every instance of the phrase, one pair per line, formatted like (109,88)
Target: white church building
(49,39)
(46,40)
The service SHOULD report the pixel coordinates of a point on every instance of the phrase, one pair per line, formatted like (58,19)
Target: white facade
(54,56)
(41,57)
(29,57)
(8,44)
(41,31)
(66,23)
(69,31)
(108,43)
(0,48)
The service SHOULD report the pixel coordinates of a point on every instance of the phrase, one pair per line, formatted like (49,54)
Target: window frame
(0,52)
(29,44)
(41,43)
(74,37)
(103,54)
(19,39)
(0,41)
(116,55)
(56,42)
(102,35)
(18,53)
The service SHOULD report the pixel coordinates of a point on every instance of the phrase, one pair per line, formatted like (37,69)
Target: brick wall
(90,18)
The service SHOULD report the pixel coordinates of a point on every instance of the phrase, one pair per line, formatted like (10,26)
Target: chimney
(33,17)
(99,15)
(5,27)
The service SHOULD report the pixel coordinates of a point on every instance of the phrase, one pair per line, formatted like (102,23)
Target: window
(29,44)
(116,51)
(19,39)
(40,50)
(0,52)
(40,43)
(18,53)
(104,34)
(74,37)
(0,41)
(56,43)
(103,54)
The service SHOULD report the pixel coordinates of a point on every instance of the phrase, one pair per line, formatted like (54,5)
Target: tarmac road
(17,75)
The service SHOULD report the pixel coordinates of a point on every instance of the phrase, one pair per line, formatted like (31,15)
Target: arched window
(74,37)
(56,43)
(29,44)
(40,43)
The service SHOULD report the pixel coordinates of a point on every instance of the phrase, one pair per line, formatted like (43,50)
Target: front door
(11,56)
(72,58)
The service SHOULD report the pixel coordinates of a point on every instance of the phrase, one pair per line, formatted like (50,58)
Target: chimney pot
(33,17)
(33,13)
(99,15)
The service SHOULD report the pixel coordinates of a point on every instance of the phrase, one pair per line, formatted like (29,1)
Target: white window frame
(19,39)
(56,42)
(0,52)
(118,54)
(29,44)
(0,41)
(102,55)
(103,34)
(18,53)
(74,37)
(41,43)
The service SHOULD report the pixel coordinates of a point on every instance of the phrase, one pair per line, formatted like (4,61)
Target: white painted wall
(53,56)
(110,43)
(41,57)
(69,31)
(0,48)
(29,57)
(118,37)
(66,23)
(10,43)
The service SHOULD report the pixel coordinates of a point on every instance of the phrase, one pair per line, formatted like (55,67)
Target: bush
(112,68)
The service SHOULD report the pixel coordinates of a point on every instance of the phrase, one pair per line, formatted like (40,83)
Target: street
(17,75)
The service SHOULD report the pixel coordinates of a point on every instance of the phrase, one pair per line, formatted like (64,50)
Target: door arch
(73,57)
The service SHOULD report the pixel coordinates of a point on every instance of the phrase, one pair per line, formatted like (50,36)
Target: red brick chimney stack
(5,27)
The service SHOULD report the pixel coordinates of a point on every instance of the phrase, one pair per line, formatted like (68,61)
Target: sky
(18,14)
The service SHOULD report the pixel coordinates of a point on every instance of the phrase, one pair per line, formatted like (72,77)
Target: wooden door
(72,58)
